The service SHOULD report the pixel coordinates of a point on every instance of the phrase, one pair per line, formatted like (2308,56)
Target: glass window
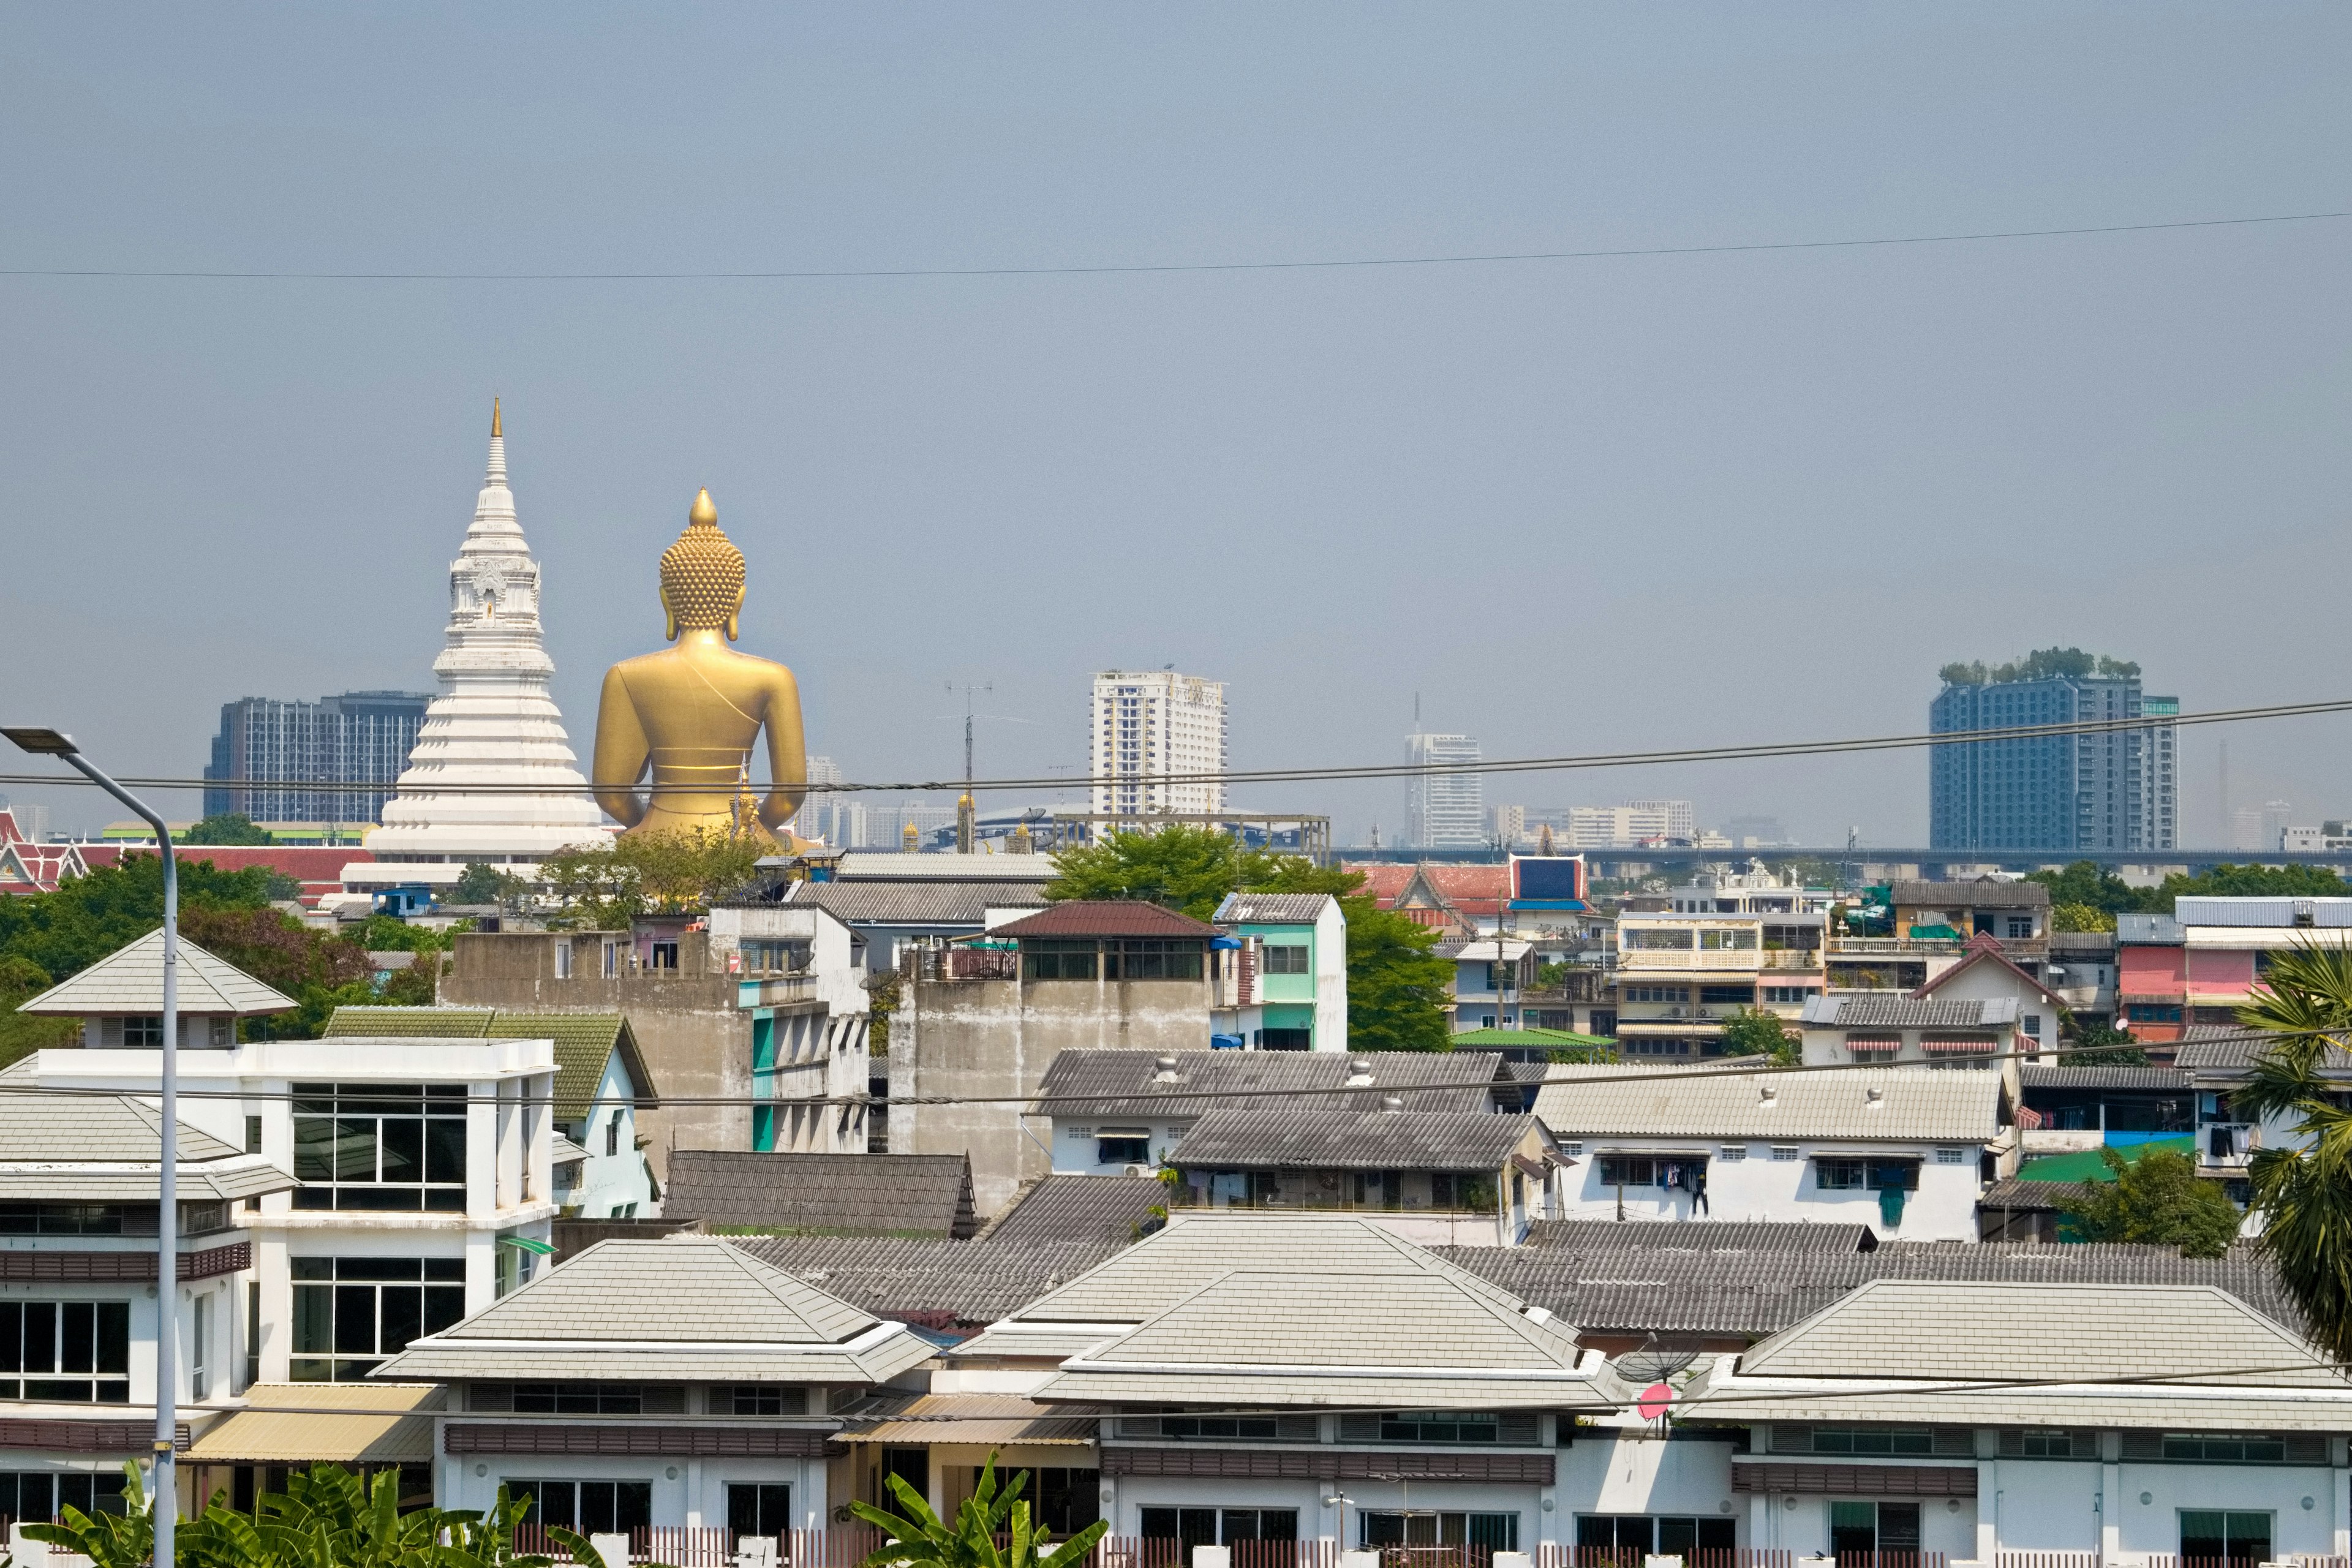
(1857,1527)
(351,1312)
(1655,939)
(1732,1153)
(1873,1440)
(389,1146)
(1287,958)
(592,1508)
(577,1399)
(1046,959)
(2225,1449)
(757,1509)
(1726,996)
(1122,1151)
(1628,1171)
(1440,1426)
(39,1496)
(1496,1532)
(1841,1174)
(1738,941)
(1785,1151)
(766,1399)
(2233,1536)
(1636,1536)
(1152,958)
(74,1352)
(1951,1156)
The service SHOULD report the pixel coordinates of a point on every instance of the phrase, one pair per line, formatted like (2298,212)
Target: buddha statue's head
(702,575)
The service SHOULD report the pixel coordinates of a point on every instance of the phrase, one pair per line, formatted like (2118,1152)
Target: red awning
(1967,1044)
(1874,1042)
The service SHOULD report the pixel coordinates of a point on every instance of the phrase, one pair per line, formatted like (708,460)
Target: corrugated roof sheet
(2149,929)
(1888,1010)
(2032,1075)
(2227,1047)
(325,1423)
(1976,892)
(1130,1083)
(1916,1104)
(829,1195)
(1736,1235)
(129,982)
(2090,943)
(2029,1197)
(1068,1206)
(917,903)
(1272,909)
(1105,917)
(1286,1138)
(2201,910)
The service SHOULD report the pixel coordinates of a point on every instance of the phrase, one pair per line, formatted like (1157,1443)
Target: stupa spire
(498,470)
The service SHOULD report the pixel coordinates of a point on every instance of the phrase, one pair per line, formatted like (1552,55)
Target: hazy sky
(1575,505)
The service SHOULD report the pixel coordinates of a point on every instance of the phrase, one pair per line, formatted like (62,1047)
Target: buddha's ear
(735,615)
(669,618)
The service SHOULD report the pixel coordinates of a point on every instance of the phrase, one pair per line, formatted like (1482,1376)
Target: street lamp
(50,743)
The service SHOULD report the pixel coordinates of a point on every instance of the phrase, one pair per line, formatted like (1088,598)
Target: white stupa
(492,777)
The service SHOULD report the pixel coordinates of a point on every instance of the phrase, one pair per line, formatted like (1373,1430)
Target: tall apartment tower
(2106,789)
(1147,730)
(1449,803)
(356,738)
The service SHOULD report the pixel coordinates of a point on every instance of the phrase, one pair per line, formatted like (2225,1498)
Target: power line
(1136,268)
(1760,751)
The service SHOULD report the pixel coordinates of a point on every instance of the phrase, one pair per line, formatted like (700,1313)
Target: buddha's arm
(620,753)
(787,751)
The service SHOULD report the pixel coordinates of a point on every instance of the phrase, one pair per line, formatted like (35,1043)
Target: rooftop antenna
(967,808)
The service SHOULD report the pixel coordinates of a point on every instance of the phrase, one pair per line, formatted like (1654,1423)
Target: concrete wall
(1759,1187)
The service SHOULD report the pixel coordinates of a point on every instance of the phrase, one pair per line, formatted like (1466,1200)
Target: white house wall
(1759,1187)
(688,1492)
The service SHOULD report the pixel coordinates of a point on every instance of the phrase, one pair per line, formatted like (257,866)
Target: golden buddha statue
(693,711)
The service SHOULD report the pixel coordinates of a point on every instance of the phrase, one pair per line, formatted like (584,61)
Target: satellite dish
(1656,1401)
(1653,1365)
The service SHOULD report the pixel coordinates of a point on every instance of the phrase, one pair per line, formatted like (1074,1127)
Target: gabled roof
(129,982)
(915,903)
(1290,1139)
(1273,908)
(1914,1104)
(65,1146)
(826,1195)
(1714,1237)
(2032,1075)
(2232,1048)
(1975,892)
(1091,1083)
(940,1284)
(1073,1206)
(1105,917)
(1983,949)
(1888,1010)
(679,1308)
(584,1042)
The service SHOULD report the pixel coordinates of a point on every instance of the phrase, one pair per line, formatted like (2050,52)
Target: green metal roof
(584,1043)
(2084,1165)
(1532,1039)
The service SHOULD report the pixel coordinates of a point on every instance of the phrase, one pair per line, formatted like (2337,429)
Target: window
(1785,1151)
(760,1509)
(1732,1153)
(143,1032)
(592,1508)
(1214,1526)
(1628,1171)
(252,1333)
(2152,1013)
(1122,1151)
(1069,1499)
(1728,941)
(1654,938)
(1873,1527)
(1656,993)
(1871,1440)
(200,1344)
(2033,1025)
(2231,1537)
(36,1497)
(74,1352)
(612,959)
(2237,1448)
(664,956)
(1289,958)
(612,1135)
(1043,959)
(1152,958)
(1834,1174)
(1496,1532)
(351,1312)
(766,1399)
(577,1399)
(1726,996)
(563,960)
(1439,1427)
(1636,1535)
(1951,1156)
(1285,1039)
(2049,1443)
(253,1134)
(1218,1427)
(390,1146)
(1788,995)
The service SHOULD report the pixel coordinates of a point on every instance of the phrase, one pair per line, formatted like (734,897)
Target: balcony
(1688,960)
(2226,1145)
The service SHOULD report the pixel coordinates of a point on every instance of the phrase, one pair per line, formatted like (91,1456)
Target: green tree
(2104,1046)
(2157,1198)
(2081,917)
(647,873)
(992,1530)
(1752,1032)
(2084,885)
(21,1033)
(2303,1193)
(226,827)
(66,931)
(1397,985)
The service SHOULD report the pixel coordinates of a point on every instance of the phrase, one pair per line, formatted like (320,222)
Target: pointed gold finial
(495,432)
(704,511)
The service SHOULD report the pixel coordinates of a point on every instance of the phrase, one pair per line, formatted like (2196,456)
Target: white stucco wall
(1760,1187)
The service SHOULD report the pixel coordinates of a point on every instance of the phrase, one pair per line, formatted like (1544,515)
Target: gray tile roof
(679,1308)
(1272,909)
(1915,1105)
(129,982)
(2030,1197)
(1743,1236)
(62,1146)
(939,1283)
(2090,943)
(1890,1010)
(2227,1048)
(1068,1206)
(824,1194)
(2159,1079)
(584,1042)
(1084,1083)
(917,903)
(1287,1139)
(1980,892)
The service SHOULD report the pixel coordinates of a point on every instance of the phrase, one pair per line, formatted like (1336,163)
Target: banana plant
(992,1530)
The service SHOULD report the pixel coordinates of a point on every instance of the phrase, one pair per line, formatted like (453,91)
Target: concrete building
(1634,823)
(895,902)
(1290,990)
(1681,977)
(1447,805)
(360,737)
(1148,728)
(2112,790)
(120,999)
(1932,926)
(2201,964)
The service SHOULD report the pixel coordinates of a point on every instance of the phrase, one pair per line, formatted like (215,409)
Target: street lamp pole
(163,1490)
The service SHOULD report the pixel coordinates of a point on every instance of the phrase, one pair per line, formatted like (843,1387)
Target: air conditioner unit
(1139,1170)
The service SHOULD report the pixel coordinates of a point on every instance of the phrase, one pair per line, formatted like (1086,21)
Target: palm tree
(2303,1196)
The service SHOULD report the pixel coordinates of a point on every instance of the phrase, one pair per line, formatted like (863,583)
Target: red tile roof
(1105,917)
(318,866)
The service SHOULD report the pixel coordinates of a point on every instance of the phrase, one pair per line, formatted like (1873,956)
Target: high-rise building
(1635,822)
(2096,790)
(359,737)
(492,777)
(1148,729)
(1448,806)
(828,814)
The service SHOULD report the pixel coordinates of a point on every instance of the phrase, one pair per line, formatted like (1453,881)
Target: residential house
(2082,971)
(2205,961)
(280,1428)
(2067,1107)
(1904,1149)
(1123,1112)
(897,902)
(120,999)
(2136,1422)
(1682,976)
(1932,925)
(2217,1059)
(79,1309)
(1436,1176)
(662,1384)
(1491,981)
(981,1025)
(730,1190)
(2152,983)
(1985,973)
(1292,990)
(1756,891)
(1975,1034)
(601,1086)
(744,1002)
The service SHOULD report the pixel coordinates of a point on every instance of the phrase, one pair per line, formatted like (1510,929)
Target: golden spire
(704,512)
(494,419)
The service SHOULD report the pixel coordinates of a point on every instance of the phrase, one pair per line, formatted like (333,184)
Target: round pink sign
(1656,1401)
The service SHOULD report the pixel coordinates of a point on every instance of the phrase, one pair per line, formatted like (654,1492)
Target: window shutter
(1516,1427)
(1955,1440)
(1788,1439)
(490,1396)
(2143,1444)
(1359,1427)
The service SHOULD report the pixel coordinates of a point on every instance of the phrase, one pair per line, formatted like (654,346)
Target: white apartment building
(1449,807)
(1623,826)
(1148,727)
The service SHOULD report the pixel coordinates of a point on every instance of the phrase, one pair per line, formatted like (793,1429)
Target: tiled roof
(1132,1083)
(889,865)
(1068,1206)
(824,1194)
(63,1147)
(2227,1047)
(1977,892)
(129,982)
(1740,1235)
(917,903)
(2032,1075)
(960,1283)
(2029,1197)
(1382,880)
(1288,1138)
(2094,942)
(584,1042)
(1105,917)
(1886,1010)
(1915,1104)
(1272,909)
